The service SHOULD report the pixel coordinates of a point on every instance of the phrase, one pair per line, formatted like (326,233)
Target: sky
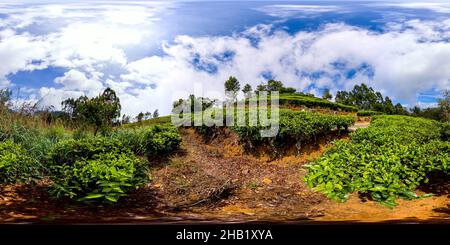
(152,52)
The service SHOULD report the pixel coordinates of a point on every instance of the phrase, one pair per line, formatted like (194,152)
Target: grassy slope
(154,121)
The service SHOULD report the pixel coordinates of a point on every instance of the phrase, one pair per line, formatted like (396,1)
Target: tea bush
(160,140)
(95,169)
(368,113)
(445,131)
(151,141)
(387,160)
(296,126)
(308,101)
(15,164)
(69,151)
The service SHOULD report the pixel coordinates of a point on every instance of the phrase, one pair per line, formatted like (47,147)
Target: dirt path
(263,189)
(357,125)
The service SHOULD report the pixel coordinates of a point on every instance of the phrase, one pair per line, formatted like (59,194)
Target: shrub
(130,138)
(103,178)
(152,141)
(308,101)
(69,151)
(367,113)
(296,126)
(160,140)
(387,160)
(15,164)
(445,131)
(94,169)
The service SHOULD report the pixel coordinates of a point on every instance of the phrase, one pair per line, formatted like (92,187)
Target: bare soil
(216,181)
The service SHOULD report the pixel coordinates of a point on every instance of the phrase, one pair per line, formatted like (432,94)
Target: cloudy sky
(148,51)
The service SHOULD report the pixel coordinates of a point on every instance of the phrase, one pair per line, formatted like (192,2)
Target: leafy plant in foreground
(95,169)
(15,164)
(387,160)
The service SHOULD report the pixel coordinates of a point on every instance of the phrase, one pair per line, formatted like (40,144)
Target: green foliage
(15,164)
(387,160)
(232,85)
(435,113)
(153,141)
(67,152)
(327,95)
(367,113)
(366,98)
(99,112)
(150,122)
(160,140)
(37,142)
(444,104)
(192,104)
(445,131)
(295,126)
(247,89)
(5,97)
(94,169)
(104,177)
(273,85)
(309,101)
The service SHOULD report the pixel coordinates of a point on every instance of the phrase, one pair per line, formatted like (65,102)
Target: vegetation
(273,85)
(295,126)
(366,98)
(94,169)
(99,112)
(15,164)
(387,160)
(193,103)
(368,113)
(297,99)
(327,95)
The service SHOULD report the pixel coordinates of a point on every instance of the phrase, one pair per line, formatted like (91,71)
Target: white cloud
(402,62)
(76,80)
(433,6)
(406,59)
(17,52)
(287,10)
(54,97)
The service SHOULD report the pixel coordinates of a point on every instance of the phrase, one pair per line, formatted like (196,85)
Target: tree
(261,87)
(444,104)
(5,97)
(194,102)
(273,85)
(147,115)
(388,106)
(327,95)
(232,85)
(287,90)
(247,88)
(99,112)
(125,119)
(343,97)
(416,111)
(140,116)
(366,98)
(399,110)
(156,113)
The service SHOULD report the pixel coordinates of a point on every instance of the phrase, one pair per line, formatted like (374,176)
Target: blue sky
(151,52)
